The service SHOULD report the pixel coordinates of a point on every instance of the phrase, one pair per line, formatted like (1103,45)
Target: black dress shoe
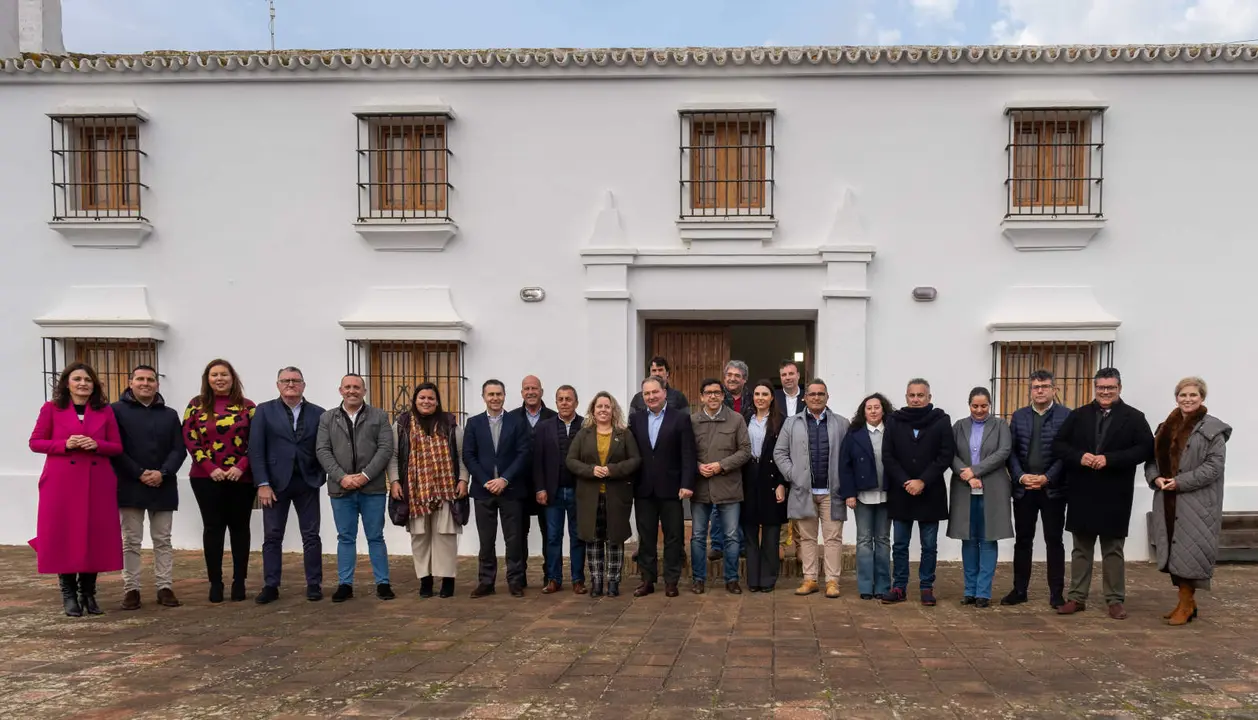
(384,591)
(967,600)
(447,588)
(866,596)
(482,590)
(425,586)
(516,590)
(314,593)
(670,589)
(238,590)
(1056,601)
(268,595)
(753,588)
(216,592)
(343,592)
(644,589)
(1014,598)
(767,588)
(982,602)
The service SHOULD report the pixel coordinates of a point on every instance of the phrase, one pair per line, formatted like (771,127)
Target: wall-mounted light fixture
(532,294)
(799,357)
(924,293)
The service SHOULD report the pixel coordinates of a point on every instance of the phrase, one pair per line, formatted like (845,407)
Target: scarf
(917,418)
(430,476)
(1172,438)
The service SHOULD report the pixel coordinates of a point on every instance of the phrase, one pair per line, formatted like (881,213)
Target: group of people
(748,460)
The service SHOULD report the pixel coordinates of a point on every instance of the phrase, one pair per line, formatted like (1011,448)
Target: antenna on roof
(271,7)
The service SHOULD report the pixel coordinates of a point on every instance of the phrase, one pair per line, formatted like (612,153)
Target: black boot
(613,588)
(238,590)
(216,592)
(447,587)
(425,586)
(70,594)
(87,594)
(596,590)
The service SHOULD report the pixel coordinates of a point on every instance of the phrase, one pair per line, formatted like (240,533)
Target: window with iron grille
(393,368)
(96,167)
(727,164)
(1055,162)
(403,167)
(111,358)
(1072,364)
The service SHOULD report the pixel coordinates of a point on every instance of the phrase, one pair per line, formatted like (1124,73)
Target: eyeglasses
(815,394)
(713,393)
(1041,387)
(1107,388)
(291,381)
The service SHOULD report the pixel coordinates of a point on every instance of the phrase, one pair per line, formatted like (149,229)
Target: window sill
(419,235)
(104,233)
(734,228)
(1043,234)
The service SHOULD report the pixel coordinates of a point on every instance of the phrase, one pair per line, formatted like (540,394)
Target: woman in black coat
(763,511)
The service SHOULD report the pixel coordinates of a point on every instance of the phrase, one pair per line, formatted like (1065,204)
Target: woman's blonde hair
(618,415)
(1198,382)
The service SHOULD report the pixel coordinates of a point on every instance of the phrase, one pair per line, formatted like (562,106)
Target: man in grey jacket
(807,454)
(722,447)
(354,445)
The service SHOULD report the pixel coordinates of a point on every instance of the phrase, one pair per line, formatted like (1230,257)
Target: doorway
(699,349)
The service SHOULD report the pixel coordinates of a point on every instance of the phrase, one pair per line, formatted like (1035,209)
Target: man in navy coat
(496,452)
(288,474)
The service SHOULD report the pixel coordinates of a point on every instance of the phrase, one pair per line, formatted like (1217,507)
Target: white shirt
(873,497)
(792,403)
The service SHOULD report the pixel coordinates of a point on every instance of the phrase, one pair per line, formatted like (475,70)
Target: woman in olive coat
(604,457)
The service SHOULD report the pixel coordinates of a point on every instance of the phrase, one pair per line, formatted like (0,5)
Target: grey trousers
(132,537)
(1113,570)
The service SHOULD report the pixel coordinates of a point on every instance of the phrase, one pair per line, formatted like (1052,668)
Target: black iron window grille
(1073,365)
(393,368)
(1055,162)
(403,167)
(113,359)
(96,167)
(726,164)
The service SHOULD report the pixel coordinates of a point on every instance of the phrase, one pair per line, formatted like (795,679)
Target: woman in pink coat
(78,533)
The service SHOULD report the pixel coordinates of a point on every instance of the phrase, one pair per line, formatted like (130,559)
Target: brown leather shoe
(131,600)
(551,587)
(166,598)
(578,588)
(697,588)
(482,590)
(1071,607)
(644,589)
(1117,611)
(670,590)
(733,588)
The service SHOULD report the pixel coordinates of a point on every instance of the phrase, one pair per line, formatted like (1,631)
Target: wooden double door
(694,352)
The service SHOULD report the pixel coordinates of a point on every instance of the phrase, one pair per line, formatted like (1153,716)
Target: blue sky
(137,25)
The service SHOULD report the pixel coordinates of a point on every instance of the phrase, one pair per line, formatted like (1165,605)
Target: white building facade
(962,214)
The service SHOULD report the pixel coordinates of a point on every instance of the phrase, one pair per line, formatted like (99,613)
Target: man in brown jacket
(722,448)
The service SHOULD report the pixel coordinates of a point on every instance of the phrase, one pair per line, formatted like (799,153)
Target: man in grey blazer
(807,453)
(354,445)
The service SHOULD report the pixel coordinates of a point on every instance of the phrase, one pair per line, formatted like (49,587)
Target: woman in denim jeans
(863,486)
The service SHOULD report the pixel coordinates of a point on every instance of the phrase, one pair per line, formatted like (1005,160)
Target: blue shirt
(756,429)
(653,422)
(976,444)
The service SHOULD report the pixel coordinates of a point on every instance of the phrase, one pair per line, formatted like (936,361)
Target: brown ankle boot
(1184,612)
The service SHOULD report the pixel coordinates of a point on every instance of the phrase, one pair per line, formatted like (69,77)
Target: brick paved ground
(565,656)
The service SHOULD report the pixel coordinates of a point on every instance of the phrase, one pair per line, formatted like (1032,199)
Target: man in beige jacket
(722,448)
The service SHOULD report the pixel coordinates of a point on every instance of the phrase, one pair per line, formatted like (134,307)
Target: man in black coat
(674,398)
(555,489)
(533,411)
(1102,444)
(916,452)
(666,442)
(152,453)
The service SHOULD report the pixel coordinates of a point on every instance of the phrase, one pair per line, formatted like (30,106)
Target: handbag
(400,510)
(461,508)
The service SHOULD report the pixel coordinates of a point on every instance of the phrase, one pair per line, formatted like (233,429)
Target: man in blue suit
(282,454)
(496,452)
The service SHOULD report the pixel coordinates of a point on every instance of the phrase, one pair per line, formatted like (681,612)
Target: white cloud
(937,10)
(889,37)
(1038,22)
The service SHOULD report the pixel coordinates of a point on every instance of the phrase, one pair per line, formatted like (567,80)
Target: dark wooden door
(694,352)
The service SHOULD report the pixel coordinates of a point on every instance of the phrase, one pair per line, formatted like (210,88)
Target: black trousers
(763,562)
(488,513)
(305,500)
(1032,506)
(653,514)
(225,506)
(541,526)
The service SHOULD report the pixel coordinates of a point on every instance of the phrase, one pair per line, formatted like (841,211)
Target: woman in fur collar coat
(1190,448)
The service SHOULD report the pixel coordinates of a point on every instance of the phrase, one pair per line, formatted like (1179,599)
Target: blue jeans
(716,527)
(563,506)
(902,530)
(699,516)
(873,549)
(978,555)
(345,513)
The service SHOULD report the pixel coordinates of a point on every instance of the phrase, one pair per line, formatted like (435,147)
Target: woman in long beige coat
(1190,449)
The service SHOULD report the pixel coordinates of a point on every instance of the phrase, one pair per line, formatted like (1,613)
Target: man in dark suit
(666,442)
(533,411)
(555,489)
(496,453)
(1102,444)
(674,398)
(790,397)
(287,474)
(1037,489)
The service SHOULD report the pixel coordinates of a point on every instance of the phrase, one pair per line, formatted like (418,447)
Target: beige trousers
(160,522)
(832,534)
(435,544)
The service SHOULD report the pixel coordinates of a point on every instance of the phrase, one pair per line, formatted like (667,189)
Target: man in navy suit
(288,474)
(667,476)
(789,397)
(496,453)
(532,412)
